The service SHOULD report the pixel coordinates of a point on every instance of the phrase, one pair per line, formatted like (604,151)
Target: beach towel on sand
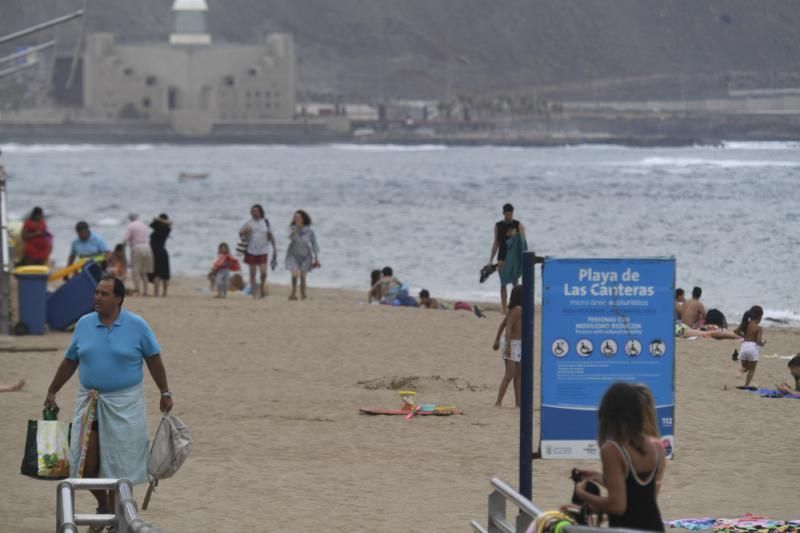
(122,427)
(512,267)
(773,393)
(746,523)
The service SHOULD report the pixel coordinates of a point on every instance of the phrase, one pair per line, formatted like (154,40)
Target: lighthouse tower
(190,23)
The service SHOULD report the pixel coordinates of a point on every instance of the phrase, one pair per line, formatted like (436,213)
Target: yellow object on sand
(32,269)
(409,399)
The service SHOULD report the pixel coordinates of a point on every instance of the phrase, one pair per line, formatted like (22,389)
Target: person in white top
(258,235)
(137,236)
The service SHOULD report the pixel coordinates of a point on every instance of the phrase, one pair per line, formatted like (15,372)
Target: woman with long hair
(302,255)
(633,463)
(257,233)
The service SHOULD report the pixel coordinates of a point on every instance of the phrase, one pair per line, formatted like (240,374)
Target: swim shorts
(255,259)
(748,351)
(516,350)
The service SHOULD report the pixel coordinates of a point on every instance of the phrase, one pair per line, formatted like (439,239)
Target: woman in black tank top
(633,463)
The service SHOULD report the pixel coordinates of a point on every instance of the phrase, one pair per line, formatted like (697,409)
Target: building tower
(190,23)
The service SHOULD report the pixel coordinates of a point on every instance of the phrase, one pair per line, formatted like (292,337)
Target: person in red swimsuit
(37,241)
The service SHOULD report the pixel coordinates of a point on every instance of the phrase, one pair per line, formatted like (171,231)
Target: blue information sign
(603,321)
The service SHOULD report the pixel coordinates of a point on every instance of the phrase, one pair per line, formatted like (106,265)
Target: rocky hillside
(436,48)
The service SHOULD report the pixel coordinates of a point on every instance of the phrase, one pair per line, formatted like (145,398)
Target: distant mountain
(369,49)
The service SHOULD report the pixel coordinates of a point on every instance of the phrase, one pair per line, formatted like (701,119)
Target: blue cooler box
(32,297)
(73,299)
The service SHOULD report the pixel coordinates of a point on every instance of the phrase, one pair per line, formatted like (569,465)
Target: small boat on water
(191,176)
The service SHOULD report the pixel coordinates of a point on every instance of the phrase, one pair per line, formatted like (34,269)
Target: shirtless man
(694,313)
(794,368)
(503,230)
(426,301)
(680,299)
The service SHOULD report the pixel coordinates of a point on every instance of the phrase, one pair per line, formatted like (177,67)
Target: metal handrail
(126,517)
(40,27)
(27,51)
(498,522)
(13,70)
(521,501)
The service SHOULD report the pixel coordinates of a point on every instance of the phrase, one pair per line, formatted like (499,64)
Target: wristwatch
(166,394)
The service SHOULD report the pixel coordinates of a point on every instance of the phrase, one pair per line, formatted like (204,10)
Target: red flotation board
(440,412)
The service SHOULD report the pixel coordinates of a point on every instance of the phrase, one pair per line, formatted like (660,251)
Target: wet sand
(271,389)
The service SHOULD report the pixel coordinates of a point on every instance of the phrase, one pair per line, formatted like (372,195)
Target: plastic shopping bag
(47,448)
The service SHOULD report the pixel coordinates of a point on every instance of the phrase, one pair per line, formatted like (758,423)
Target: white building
(190,83)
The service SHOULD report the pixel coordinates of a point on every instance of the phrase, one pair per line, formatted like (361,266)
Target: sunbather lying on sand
(707,332)
(12,387)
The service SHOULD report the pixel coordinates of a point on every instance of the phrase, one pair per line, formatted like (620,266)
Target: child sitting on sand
(387,288)
(117,265)
(750,328)
(511,343)
(794,369)
(633,463)
(221,270)
(374,286)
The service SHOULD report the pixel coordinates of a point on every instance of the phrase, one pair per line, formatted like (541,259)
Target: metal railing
(126,517)
(498,523)
(40,27)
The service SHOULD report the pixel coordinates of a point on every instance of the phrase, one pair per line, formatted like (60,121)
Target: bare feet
(293,296)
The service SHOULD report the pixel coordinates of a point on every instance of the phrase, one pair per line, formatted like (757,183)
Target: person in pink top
(137,236)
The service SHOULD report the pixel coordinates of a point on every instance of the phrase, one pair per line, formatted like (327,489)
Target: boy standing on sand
(511,344)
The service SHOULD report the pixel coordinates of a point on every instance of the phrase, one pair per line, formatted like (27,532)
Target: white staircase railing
(498,523)
(126,515)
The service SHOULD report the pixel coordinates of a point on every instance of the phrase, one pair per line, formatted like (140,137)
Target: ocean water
(728,214)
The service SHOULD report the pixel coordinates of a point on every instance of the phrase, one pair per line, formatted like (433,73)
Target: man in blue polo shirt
(88,244)
(109,429)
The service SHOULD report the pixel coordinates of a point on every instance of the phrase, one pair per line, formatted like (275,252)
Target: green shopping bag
(47,447)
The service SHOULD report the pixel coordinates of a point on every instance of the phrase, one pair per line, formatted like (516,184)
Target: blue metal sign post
(603,320)
(526,392)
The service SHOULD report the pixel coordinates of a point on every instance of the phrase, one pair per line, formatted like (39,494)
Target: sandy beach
(271,389)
